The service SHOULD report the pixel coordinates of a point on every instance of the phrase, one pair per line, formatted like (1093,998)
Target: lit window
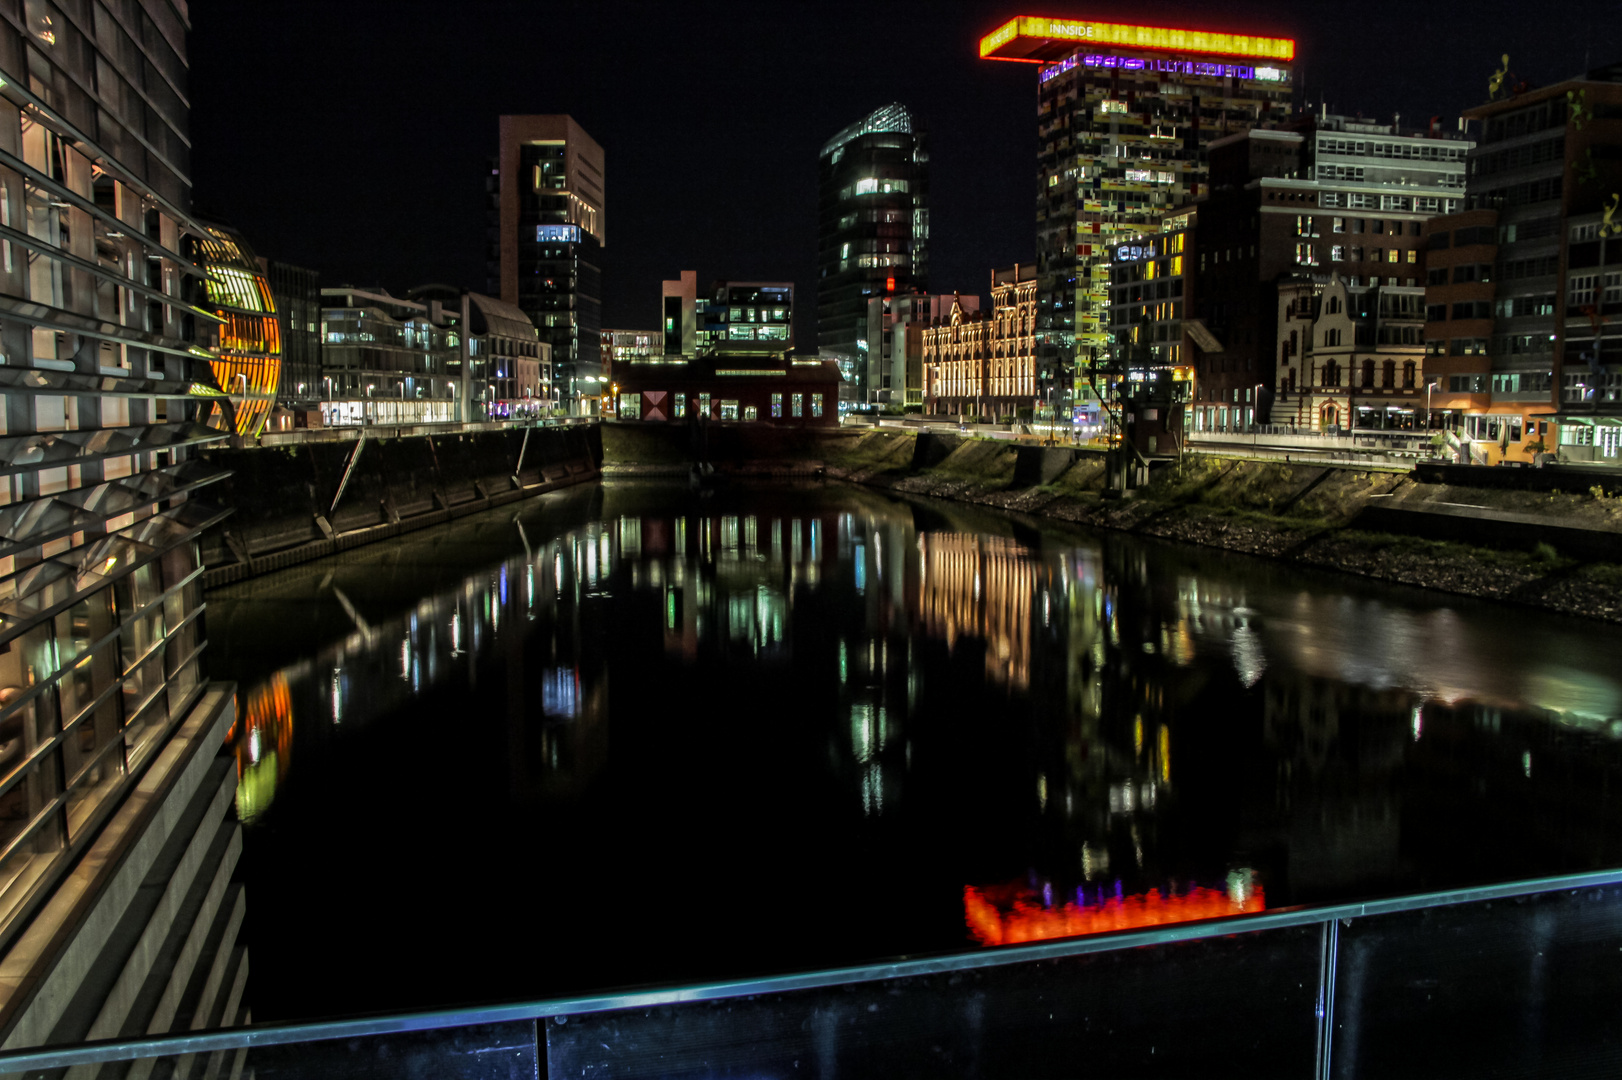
(797,404)
(777,405)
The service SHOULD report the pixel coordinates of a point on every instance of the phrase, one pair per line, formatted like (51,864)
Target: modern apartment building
(1526,282)
(894,359)
(872,224)
(1126,116)
(118,913)
(546,216)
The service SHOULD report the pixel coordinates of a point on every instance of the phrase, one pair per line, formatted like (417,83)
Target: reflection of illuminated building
(979,586)
(1016,913)
(263,742)
(247,343)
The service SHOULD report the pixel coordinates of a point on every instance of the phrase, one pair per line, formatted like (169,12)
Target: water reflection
(1105,724)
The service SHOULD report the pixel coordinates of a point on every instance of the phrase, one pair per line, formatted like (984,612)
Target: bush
(1545,554)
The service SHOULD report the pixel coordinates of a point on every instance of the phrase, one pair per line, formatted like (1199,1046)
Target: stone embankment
(1553,549)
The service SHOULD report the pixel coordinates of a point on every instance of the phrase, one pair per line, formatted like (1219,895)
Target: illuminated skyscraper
(1125,115)
(872,225)
(546,244)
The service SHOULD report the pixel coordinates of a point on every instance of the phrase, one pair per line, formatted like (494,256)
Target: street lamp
(1256,408)
(1429,386)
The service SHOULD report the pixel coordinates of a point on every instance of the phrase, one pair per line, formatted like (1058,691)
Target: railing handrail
(90,1053)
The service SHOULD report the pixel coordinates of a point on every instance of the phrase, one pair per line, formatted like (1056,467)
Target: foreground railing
(1517,979)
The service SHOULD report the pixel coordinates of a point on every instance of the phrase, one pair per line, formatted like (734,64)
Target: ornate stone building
(979,364)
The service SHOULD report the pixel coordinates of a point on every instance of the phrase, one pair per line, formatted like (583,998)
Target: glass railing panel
(1241,1004)
(1526,986)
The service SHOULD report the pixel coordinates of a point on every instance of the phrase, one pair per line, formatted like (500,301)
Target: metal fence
(1518,979)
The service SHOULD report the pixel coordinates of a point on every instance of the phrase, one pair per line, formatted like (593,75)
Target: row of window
(1307,254)
(1500,345)
(1419,204)
(1412,151)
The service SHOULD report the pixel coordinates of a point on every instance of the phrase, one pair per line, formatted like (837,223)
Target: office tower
(679,314)
(872,225)
(110,769)
(1125,115)
(547,217)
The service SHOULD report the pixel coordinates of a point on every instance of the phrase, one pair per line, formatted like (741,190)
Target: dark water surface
(629,734)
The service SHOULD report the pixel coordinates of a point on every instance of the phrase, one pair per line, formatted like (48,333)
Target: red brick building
(745,387)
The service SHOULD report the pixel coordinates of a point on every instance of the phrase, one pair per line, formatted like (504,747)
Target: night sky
(353,136)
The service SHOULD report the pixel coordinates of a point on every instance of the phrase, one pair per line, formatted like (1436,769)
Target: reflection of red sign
(1010,914)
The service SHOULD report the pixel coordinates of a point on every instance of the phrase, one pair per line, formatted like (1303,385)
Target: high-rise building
(872,224)
(546,244)
(111,776)
(1526,283)
(1125,115)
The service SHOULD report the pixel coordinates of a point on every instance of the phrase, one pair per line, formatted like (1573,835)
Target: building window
(749,412)
(1412,255)
(729,410)
(1368,374)
(704,406)
(797,404)
(630,407)
(679,406)
(1468,347)
(1581,290)
(777,405)
(816,405)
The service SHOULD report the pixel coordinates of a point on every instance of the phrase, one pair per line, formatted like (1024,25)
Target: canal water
(630,734)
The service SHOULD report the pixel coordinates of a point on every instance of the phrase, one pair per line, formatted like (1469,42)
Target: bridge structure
(1522,976)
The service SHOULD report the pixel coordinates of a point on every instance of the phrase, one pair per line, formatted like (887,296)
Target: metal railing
(1520,976)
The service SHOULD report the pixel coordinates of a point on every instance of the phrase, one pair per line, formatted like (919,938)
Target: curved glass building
(246,344)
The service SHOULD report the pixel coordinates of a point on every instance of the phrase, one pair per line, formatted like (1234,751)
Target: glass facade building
(103,381)
(246,343)
(872,225)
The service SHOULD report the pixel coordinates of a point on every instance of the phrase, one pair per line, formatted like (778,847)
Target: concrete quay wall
(293,501)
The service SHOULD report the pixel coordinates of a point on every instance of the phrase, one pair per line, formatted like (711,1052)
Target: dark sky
(353,136)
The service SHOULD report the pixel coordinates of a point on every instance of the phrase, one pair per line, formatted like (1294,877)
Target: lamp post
(1256,409)
(1430,384)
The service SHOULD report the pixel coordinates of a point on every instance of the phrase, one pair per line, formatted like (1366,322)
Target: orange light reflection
(1013,914)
